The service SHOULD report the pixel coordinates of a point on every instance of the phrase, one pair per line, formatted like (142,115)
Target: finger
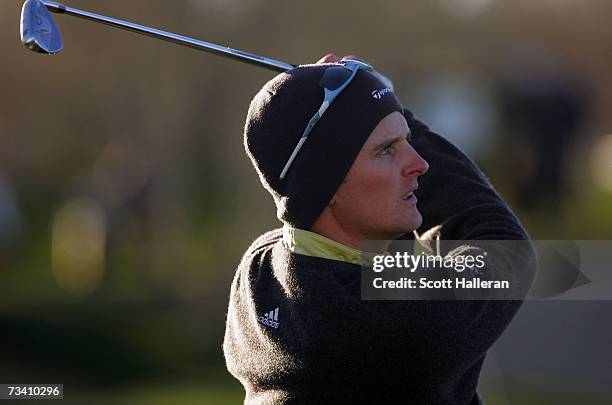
(329,58)
(353,57)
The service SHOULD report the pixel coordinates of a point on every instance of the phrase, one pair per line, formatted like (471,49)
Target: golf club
(39,33)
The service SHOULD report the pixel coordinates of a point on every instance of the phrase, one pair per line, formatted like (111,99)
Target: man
(343,161)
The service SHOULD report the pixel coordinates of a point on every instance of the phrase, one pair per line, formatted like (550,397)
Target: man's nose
(415,164)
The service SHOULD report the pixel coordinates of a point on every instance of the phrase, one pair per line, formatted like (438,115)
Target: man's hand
(332,58)
(329,58)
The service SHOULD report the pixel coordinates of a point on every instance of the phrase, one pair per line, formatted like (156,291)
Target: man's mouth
(408,196)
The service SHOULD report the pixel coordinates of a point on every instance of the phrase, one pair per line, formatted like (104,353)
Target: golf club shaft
(170,37)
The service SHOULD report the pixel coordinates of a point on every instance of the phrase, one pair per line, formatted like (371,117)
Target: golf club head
(38,30)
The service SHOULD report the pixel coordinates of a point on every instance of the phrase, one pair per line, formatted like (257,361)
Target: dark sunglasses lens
(334,77)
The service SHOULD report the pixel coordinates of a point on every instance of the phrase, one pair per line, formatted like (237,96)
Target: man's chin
(408,226)
(414,221)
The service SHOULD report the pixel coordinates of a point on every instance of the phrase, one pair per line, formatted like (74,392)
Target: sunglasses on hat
(334,80)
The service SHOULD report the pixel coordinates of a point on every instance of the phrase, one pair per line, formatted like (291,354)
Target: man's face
(375,201)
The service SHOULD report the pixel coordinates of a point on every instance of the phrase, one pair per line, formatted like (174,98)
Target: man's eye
(386,150)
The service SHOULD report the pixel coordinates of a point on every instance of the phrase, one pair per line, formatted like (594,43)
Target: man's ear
(332,202)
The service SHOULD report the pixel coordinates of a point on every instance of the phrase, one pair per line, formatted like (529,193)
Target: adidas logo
(378,94)
(270,318)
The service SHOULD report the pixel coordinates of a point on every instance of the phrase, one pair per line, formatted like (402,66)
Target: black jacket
(320,343)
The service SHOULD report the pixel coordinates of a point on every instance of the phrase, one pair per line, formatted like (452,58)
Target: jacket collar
(309,243)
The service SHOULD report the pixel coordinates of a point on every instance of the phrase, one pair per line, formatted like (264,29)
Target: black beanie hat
(276,120)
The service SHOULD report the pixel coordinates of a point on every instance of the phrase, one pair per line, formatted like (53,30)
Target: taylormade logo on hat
(378,94)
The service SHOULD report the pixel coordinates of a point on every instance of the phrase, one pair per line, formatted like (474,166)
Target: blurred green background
(126,198)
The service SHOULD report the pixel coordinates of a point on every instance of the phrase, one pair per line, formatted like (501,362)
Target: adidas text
(270,318)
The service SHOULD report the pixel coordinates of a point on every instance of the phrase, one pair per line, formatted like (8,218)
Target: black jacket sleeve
(463,214)
(455,194)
